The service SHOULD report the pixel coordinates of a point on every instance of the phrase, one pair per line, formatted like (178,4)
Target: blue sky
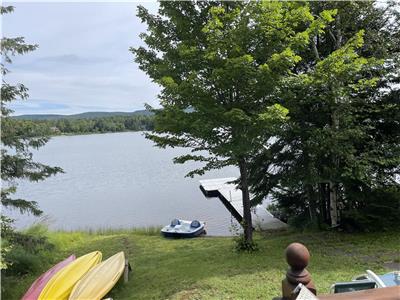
(83,62)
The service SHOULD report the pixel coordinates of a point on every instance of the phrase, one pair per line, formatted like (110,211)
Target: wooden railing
(298,257)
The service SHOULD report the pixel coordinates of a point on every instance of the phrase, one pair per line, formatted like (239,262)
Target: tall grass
(150,230)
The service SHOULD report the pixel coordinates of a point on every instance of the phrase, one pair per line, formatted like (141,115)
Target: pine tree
(18,140)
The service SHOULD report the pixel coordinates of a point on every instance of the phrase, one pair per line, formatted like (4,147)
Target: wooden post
(126,271)
(297,257)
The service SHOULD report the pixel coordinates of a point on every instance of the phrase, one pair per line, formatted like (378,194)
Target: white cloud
(83,60)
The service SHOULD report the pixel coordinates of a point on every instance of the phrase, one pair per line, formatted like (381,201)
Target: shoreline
(116,230)
(94,133)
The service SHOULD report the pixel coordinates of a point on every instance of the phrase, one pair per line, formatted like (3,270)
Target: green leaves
(220,86)
(274,113)
(344,70)
(341,130)
(168,83)
(319,24)
(287,59)
(328,15)
(345,62)
(236,116)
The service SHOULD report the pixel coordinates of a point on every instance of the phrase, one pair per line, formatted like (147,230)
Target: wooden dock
(231,197)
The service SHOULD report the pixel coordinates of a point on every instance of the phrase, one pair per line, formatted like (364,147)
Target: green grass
(209,268)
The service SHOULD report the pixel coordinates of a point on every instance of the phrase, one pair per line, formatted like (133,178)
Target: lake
(120,180)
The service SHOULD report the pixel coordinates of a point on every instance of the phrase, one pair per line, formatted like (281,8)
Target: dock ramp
(231,197)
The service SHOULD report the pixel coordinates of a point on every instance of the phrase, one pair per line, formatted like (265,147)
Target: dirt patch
(188,294)
(395,266)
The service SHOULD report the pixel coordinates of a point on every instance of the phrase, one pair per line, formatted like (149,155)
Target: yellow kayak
(60,285)
(99,280)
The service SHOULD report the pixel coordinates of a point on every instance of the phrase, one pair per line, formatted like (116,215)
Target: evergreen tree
(18,139)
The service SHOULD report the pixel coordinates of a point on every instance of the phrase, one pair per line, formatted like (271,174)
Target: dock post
(126,270)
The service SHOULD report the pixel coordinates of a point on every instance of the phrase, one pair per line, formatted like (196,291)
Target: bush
(241,245)
(379,210)
(27,250)
(362,209)
(21,262)
(290,208)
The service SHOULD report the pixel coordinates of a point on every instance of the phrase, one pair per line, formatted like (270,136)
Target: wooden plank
(215,188)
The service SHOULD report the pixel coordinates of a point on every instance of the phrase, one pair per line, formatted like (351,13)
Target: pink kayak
(36,287)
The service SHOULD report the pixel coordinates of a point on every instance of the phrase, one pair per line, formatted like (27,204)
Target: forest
(59,126)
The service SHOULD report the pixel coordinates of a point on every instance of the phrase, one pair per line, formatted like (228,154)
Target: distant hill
(86,115)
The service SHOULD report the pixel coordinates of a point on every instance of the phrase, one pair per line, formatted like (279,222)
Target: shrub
(21,261)
(27,250)
(241,245)
(379,210)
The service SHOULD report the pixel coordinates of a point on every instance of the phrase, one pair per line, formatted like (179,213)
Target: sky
(83,62)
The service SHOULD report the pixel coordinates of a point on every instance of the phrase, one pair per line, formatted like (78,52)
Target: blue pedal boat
(183,229)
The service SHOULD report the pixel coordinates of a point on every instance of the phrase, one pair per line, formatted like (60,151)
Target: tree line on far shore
(84,125)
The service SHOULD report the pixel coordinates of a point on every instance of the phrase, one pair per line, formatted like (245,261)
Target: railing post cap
(297,256)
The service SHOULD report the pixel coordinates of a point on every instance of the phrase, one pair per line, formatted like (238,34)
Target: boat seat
(175,222)
(195,224)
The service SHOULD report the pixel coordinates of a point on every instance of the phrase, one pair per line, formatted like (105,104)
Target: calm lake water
(120,180)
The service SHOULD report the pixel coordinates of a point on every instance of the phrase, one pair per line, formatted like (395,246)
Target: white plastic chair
(376,278)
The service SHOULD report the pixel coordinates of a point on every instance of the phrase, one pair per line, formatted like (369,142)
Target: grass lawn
(209,268)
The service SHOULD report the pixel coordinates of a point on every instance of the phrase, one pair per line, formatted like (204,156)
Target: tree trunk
(323,201)
(333,203)
(312,202)
(333,194)
(339,36)
(247,222)
(332,185)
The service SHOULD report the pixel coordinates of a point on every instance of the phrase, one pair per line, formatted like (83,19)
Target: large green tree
(221,66)
(17,140)
(342,141)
